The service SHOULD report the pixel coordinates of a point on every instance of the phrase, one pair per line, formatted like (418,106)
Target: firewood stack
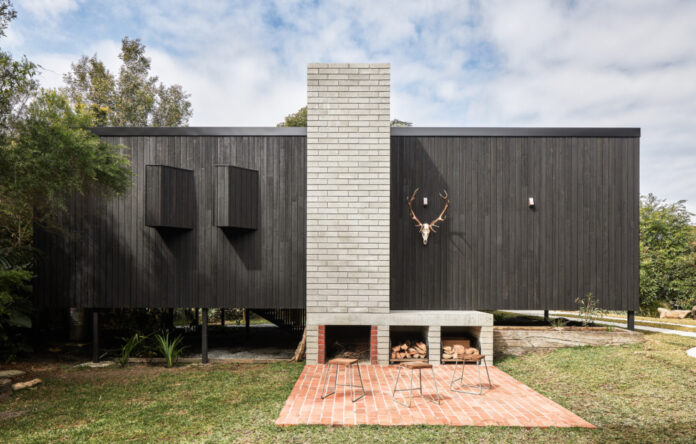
(457,349)
(457,352)
(349,350)
(409,350)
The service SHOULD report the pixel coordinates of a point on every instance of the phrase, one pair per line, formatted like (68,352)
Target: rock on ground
(27,384)
(101,364)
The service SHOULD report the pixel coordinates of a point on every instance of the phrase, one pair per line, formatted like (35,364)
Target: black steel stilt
(246,325)
(204,337)
(631,320)
(222,317)
(546,316)
(95,336)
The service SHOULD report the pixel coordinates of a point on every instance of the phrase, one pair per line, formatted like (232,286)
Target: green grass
(638,393)
(685,321)
(640,320)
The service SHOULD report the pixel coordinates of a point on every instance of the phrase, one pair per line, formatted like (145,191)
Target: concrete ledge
(441,318)
(518,341)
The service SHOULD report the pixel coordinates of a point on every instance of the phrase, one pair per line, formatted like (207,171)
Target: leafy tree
(299,118)
(17,77)
(52,156)
(296,119)
(667,255)
(15,305)
(47,154)
(399,123)
(134,98)
(92,88)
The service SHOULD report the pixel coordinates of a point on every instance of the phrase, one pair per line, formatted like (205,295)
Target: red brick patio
(509,403)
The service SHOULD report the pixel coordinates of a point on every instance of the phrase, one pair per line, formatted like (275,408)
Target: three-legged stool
(479,360)
(420,366)
(348,364)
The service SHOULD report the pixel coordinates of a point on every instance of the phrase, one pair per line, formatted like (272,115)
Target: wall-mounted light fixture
(425,201)
(530,202)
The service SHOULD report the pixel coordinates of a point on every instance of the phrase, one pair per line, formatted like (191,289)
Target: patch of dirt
(12,414)
(524,321)
(64,373)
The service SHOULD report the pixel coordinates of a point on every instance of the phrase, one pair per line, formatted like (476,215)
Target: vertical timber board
(493,251)
(115,260)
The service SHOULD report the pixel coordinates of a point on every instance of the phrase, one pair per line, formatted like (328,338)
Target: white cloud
(47,9)
(493,63)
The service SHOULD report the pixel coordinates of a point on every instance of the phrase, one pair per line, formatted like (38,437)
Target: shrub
(667,256)
(587,307)
(558,322)
(129,346)
(15,307)
(170,350)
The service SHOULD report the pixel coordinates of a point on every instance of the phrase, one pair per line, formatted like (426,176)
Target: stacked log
(409,349)
(350,350)
(457,349)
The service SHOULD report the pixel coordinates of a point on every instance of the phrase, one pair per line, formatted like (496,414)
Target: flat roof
(513,132)
(200,131)
(412,131)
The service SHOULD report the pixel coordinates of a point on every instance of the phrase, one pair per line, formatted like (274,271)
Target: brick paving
(509,403)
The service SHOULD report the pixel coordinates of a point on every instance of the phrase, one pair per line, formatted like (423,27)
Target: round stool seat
(416,365)
(470,358)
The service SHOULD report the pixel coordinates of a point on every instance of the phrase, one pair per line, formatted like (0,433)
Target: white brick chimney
(348,192)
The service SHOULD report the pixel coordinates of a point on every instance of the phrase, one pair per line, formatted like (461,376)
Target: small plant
(498,318)
(558,322)
(129,345)
(587,308)
(170,350)
(610,328)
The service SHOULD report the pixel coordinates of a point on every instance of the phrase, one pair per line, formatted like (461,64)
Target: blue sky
(459,63)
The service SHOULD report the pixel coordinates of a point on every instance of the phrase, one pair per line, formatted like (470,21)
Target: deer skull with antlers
(426,229)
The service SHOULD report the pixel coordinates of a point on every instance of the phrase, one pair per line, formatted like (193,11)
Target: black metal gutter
(397,131)
(514,132)
(200,131)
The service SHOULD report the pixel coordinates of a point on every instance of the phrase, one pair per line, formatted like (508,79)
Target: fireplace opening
(408,343)
(348,341)
(458,341)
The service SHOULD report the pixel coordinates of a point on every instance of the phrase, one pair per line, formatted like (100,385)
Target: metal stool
(415,366)
(348,363)
(479,360)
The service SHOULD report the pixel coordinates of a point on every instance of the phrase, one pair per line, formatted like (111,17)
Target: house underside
(312,224)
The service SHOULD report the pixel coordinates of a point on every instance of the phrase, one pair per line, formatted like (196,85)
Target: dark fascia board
(199,131)
(397,131)
(514,132)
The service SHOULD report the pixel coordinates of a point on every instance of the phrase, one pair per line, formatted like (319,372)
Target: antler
(413,215)
(441,217)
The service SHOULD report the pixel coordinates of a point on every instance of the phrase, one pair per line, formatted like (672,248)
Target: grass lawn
(690,324)
(638,393)
(670,324)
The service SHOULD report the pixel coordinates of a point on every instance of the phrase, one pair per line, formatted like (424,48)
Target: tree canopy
(298,118)
(133,98)
(47,155)
(667,255)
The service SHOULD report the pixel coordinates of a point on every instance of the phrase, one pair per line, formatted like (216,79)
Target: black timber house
(218,217)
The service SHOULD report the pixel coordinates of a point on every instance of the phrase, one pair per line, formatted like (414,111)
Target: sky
(625,63)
